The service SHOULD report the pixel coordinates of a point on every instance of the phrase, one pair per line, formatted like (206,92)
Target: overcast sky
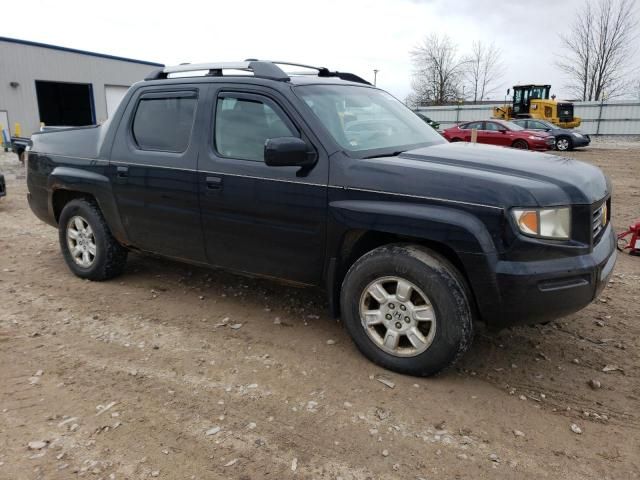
(346,35)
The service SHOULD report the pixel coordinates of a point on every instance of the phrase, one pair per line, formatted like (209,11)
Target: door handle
(122,172)
(214,183)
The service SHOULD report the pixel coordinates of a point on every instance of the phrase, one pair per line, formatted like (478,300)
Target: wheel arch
(67,183)
(61,196)
(447,231)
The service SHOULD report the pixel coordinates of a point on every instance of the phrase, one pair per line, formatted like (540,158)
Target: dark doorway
(65,104)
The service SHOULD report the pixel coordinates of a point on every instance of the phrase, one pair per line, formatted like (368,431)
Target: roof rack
(323,72)
(259,68)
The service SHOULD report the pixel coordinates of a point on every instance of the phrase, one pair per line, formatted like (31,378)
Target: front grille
(565,112)
(599,220)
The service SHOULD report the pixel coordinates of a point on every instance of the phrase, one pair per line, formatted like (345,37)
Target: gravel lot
(178,372)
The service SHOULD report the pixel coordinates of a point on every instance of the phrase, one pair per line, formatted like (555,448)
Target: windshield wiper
(394,154)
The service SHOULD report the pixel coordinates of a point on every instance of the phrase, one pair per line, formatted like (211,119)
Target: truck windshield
(367,122)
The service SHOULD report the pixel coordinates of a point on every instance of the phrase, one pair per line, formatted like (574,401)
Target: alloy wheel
(397,316)
(81,241)
(562,144)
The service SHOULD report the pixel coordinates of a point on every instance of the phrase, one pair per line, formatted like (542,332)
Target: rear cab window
(163,121)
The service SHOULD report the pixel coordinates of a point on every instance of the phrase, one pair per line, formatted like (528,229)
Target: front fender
(91,183)
(459,230)
(462,231)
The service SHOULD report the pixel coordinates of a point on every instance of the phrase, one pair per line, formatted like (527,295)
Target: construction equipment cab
(532,101)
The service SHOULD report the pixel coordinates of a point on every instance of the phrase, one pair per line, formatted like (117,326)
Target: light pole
(375,76)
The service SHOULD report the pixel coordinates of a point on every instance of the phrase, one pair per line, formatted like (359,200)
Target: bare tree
(438,71)
(598,49)
(482,70)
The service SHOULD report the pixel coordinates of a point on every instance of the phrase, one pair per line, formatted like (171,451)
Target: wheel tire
(446,291)
(110,257)
(564,144)
(521,144)
(453,140)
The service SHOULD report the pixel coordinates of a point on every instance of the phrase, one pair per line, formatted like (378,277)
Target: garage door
(114,95)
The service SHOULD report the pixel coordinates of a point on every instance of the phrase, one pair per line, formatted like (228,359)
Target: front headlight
(552,223)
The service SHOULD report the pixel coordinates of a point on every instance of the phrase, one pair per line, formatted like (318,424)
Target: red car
(500,132)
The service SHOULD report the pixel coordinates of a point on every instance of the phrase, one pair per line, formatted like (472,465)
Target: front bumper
(543,145)
(534,292)
(581,142)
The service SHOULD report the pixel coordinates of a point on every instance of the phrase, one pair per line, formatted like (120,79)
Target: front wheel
(521,144)
(407,309)
(564,144)
(88,247)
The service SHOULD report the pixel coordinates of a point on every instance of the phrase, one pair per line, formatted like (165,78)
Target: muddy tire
(407,309)
(87,244)
(521,144)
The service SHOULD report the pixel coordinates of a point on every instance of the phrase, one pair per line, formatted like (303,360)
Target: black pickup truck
(322,179)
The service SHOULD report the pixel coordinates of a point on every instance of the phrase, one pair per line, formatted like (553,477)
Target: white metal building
(61,86)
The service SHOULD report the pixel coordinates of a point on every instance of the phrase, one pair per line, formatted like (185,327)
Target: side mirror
(288,152)
(503,130)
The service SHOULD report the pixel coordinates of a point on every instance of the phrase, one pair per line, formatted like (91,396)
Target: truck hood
(483,175)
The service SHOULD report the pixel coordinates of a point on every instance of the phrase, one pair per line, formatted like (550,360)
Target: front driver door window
(243,125)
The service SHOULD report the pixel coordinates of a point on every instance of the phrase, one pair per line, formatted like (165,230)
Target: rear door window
(163,121)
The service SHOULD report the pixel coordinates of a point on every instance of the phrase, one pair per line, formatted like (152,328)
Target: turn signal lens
(552,223)
(528,222)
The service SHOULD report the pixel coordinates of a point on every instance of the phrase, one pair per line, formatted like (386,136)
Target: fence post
(600,115)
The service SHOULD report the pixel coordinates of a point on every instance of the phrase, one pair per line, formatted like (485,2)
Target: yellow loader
(532,101)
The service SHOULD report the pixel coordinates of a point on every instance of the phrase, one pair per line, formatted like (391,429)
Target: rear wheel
(455,140)
(563,144)
(521,144)
(87,245)
(407,309)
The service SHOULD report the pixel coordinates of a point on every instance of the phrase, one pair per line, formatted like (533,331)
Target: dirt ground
(178,372)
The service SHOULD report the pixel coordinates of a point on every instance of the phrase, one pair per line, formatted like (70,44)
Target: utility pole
(375,76)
